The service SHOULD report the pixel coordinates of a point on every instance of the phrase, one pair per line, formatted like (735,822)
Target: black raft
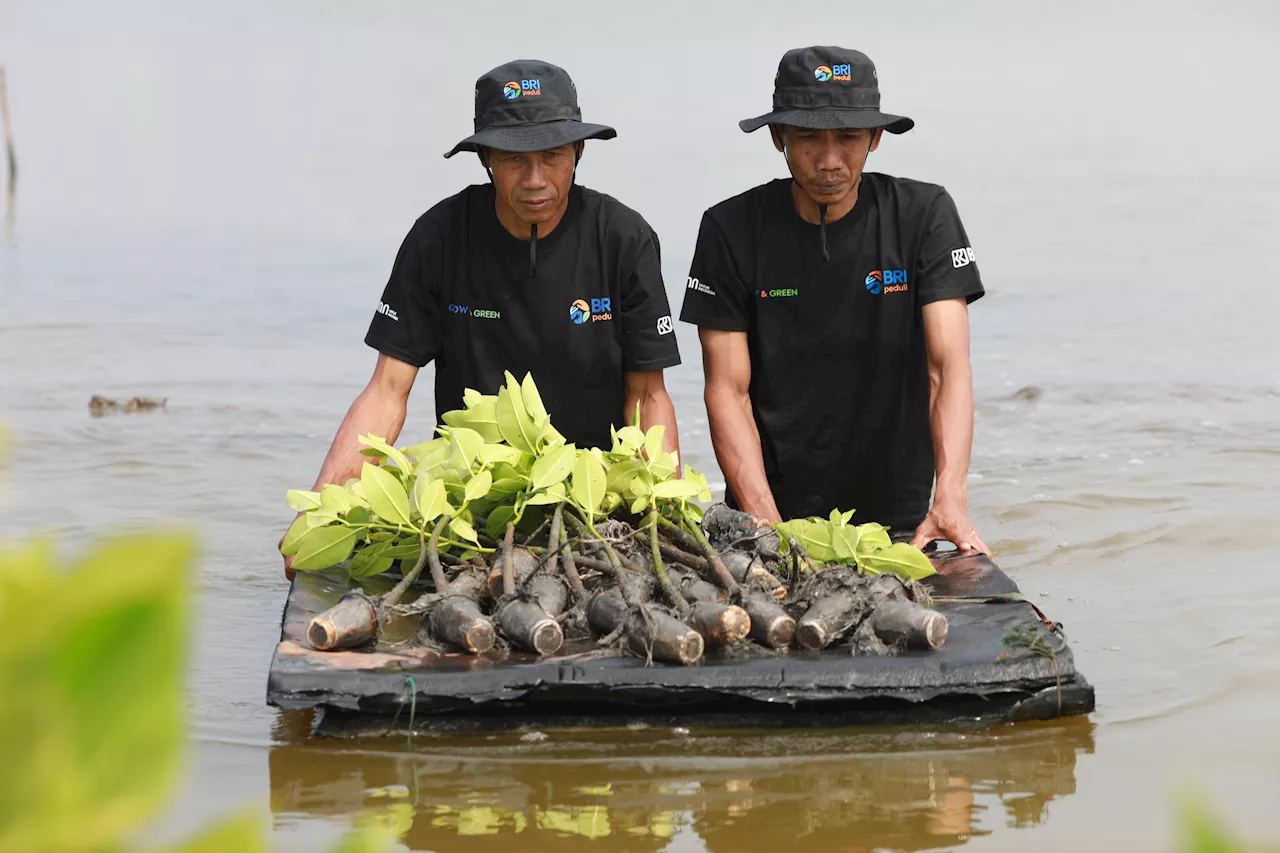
(1002,661)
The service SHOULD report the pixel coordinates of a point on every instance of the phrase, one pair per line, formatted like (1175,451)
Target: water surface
(210,201)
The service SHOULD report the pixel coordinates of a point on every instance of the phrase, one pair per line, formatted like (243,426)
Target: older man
(832,311)
(529,272)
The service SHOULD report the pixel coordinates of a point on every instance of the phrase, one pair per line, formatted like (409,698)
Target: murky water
(210,200)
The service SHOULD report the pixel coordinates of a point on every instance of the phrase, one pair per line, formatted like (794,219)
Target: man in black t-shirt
(528,273)
(832,310)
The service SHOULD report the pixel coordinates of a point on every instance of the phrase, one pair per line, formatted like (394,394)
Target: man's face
(535,186)
(826,163)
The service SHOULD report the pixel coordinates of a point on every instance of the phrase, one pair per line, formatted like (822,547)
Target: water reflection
(635,790)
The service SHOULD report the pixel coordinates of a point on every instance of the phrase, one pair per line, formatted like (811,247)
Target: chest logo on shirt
(481,313)
(779,293)
(597,311)
(886,281)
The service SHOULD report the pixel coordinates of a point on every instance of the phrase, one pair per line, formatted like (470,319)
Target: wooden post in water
(8,131)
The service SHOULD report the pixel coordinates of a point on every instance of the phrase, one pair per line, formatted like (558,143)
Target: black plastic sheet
(973,677)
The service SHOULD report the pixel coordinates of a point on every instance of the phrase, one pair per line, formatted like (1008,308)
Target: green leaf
(386,496)
(873,536)
(302,501)
(653,441)
(462,529)
(452,481)
(1201,831)
(465,444)
(844,539)
(620,474)
(665,465)
(588,483)
(533,402)
(551,495)
(640,504)
(478,486)
(471,397)
(406,548)
(553,466)
(429,498)
(322,547)
(628,440)
(497,524)
(430,454)
(899,558)
(508,471)
(289,545)
(704,489)
(835,518)
(379,443)
(103,644)
(493,455)
(371,561)
(335,498)
(846,516)
(814,534)
(506,487)
(551,437)
(481,418)
(675,489)
(320,517)
(640,485)
(359,515)
(517,427)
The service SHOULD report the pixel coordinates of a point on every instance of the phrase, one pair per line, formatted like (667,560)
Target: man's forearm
(372,412)
(951,422)
(656,408)
(737,443)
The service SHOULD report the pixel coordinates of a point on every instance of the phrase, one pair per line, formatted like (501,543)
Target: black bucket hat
(528,105)
(827,88)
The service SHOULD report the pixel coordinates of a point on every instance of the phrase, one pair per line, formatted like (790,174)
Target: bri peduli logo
(522,88)
(887,281)
(597,311)
(823,73)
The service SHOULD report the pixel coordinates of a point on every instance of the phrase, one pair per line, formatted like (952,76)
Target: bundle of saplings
(524,537)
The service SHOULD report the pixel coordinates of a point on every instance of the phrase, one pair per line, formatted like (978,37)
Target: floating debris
(1029,394)
(99,405)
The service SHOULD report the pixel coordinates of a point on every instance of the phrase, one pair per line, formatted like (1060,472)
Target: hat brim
(830,118)
(524,138)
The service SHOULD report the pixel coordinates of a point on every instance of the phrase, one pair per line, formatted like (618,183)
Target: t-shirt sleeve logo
(387,311)
(664,325)
(698,286)
(962,257)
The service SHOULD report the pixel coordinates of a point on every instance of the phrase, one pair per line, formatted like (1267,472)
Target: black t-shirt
(839,377)
(463,292)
